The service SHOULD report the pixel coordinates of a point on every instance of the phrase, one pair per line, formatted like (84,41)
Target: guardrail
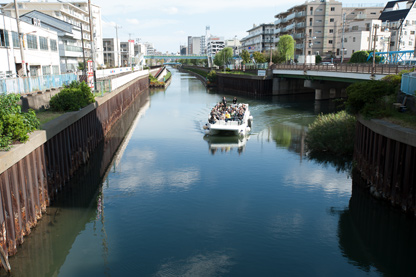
(408,85)
(346,67)
(35,84)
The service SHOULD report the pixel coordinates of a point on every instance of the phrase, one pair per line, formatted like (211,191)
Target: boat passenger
(235,100)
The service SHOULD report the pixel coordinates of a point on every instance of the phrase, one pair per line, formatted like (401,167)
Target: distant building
(111,52)
(260,38)
(235,44)
(149,48)
(214,45)
(182,50)
(195,45)
(126,52)
(40,49)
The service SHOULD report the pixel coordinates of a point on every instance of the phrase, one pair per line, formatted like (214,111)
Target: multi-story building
(214,45)
(127,52)
(40,49)
(359,35)
(399,17)
(203,45)
(235,44)
(70,52)
(182,50)
(111,52)
(149,48)
(260,38)
(194,45)
(75,13)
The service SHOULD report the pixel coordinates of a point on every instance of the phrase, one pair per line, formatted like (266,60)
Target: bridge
(177,57)
(394,57)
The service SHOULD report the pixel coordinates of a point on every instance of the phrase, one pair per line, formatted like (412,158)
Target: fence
(34,84)
(408,84)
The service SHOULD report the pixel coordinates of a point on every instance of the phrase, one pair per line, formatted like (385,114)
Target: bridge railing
(346,67)
(408,85)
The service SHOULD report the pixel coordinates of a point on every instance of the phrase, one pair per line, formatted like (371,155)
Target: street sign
(90,78)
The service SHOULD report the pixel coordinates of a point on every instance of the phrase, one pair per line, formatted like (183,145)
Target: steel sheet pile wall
(29,185)
(388,166)
(245,84)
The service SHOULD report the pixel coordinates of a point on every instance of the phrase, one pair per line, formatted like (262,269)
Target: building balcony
(300,14)
(300,46)
(298,35)
(278,21)
(277,30)
(300,25)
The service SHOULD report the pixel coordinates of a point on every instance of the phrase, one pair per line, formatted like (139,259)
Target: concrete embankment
(32,174)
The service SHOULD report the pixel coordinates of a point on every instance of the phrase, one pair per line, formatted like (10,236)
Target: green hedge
(72,98)
(14,125)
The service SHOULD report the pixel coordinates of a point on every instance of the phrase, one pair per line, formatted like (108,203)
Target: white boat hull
(230,127)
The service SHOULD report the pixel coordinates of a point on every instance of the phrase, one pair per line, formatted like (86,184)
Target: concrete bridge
(175,57)
(328,81)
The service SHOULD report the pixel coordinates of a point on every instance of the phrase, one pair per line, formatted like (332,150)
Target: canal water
(172,202)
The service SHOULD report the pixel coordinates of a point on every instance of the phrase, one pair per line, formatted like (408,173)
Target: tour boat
(231,127)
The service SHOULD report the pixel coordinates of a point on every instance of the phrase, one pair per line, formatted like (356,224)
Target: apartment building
(126,52)
(260,38)
(40,47)
(214,45)
(111,52)
(235,44)
(399,17)
(75,13)
(194,45)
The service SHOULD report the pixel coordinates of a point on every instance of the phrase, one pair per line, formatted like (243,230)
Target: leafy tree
(258,57)
(245,55)
(223,56)
(362,56)
(286,47)
(318,59)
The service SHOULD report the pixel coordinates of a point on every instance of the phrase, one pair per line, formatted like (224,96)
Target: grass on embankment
(405,119)
(47,115)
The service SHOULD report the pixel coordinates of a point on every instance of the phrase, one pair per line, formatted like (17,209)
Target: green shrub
(370,98)
(394,79)
(14,125)
(212,76)
(72,98)
(228,69)
(333,133)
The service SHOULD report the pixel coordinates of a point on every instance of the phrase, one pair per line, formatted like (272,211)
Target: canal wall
(252,85)
(386,156)
(32,174)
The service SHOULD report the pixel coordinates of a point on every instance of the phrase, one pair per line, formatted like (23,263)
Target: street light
(310,44)
(374,49)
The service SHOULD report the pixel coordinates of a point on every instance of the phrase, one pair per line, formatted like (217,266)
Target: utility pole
(83,52)
(342,42)
(374,50)
(118,45)
(94,66)
(130,58)
(22,52)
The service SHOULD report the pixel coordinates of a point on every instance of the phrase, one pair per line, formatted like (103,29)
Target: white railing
(35,84)
(120,81)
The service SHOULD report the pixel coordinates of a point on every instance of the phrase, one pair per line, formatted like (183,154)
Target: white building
(359,35)
(40,49)
(214,45)
(75,13)
(194,45)
(235,44)
(127,52)
(399,17)
(260,38)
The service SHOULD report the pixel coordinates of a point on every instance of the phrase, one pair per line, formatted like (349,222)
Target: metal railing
(384,69)
(408,85)
(35,84)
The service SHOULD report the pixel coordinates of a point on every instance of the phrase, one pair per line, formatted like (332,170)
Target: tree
(286,47)
(222,57)
(258,57)
(362,56)
(318,59)
(245,55)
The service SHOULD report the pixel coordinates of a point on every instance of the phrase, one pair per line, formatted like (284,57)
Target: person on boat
(224,101)
(227,116)
(235,100)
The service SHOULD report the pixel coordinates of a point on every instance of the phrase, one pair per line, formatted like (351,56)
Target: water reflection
(226,144)
(340,163)
(374,236)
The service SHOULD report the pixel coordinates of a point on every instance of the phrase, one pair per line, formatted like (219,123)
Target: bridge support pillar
(322,94)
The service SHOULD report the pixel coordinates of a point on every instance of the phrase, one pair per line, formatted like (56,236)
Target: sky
(167,24)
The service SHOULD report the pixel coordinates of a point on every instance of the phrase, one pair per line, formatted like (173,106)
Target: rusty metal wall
(388,166)
(30,185)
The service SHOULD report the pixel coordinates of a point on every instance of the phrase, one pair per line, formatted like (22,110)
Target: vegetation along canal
(173,203)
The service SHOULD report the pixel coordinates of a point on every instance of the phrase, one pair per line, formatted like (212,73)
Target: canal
(160,199)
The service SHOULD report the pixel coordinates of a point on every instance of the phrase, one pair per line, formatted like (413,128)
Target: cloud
(133,21)
(170,10)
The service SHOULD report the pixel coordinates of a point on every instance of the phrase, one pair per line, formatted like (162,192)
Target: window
(310,21)
(410,43)
(318,21)
(318,32)
(32,42)
(412,32)
(355,28)
(330,41)
(373,13)
(345,40)
(311,10)
(4,38)
(331,20)
(353,39)
(53,45)
(43,43)
(15,39)
(332,9)
(331,31)
(55,69)
(46,70)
